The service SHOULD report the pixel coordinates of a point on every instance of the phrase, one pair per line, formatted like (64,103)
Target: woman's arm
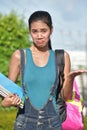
(14,67)
(69,77)
(68,85)
(14,71)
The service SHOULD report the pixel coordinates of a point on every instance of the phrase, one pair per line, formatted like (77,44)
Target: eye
(34,31)
(44,30)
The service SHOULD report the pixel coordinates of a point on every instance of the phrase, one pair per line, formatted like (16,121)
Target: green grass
(85,123)
(7,118)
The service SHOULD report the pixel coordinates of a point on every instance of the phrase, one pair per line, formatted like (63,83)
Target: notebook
(7,86)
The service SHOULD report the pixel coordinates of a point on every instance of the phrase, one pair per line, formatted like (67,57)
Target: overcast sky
(69,18)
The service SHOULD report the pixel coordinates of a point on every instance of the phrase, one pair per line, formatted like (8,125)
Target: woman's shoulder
(67,60)
(16,54)
(66,54)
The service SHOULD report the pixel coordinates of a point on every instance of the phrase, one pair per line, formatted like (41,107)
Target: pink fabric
(74,117)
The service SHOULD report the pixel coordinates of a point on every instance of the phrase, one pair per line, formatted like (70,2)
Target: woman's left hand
(73,74)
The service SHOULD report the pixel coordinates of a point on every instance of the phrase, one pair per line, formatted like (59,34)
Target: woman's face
(40,33)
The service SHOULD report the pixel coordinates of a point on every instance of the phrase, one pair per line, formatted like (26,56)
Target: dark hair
(45,17)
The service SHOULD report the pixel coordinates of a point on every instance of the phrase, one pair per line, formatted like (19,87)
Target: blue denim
(30,118)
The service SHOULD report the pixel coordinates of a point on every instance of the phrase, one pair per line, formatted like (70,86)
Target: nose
(39,35)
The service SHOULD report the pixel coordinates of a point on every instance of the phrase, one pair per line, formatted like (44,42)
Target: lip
(40,41)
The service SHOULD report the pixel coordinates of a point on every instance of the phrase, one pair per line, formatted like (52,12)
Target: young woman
(39,112)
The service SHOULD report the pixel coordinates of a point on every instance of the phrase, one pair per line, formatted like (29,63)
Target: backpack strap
(60,63)
(22,67)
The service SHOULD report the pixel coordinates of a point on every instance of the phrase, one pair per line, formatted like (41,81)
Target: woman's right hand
(11,100)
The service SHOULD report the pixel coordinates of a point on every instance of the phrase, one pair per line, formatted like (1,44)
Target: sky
(69,19)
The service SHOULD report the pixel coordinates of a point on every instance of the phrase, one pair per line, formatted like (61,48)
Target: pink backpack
(74,119)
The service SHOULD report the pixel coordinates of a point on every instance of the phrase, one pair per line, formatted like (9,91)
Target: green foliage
(14,34)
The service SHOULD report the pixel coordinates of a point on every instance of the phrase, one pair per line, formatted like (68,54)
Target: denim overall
(46,118)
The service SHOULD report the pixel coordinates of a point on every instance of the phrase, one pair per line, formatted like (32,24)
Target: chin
(40,46)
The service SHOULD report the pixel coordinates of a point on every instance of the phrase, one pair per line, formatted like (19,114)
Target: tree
(14,34)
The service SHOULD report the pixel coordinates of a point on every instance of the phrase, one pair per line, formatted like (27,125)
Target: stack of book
(7,86)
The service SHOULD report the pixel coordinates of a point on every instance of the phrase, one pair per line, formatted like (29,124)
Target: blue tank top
(39,80)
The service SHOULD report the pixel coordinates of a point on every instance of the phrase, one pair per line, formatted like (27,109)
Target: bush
(14,34)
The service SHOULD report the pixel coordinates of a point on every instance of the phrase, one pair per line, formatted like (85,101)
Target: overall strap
(22,65)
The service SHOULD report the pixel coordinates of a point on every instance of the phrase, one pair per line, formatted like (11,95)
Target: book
(7,86)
